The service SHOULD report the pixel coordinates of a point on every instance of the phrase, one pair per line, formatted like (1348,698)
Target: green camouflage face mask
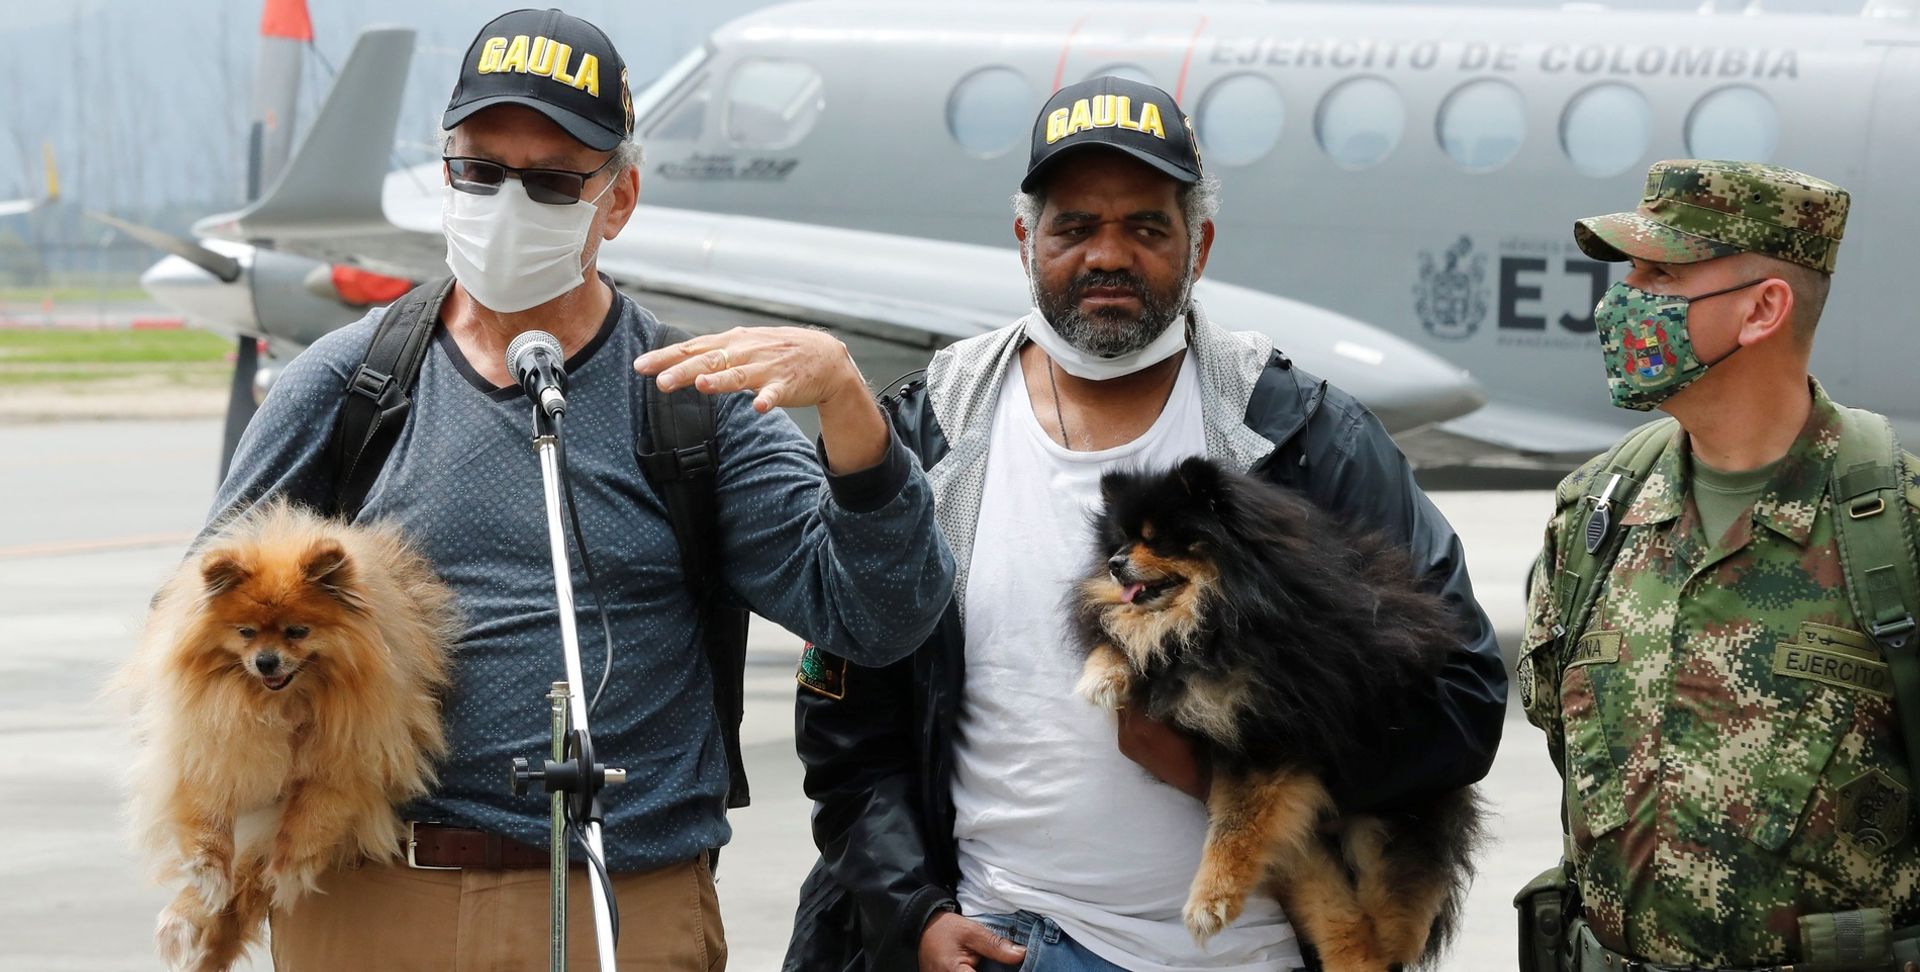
(1649,354)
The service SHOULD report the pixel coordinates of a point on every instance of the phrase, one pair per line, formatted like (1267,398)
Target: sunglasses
(555,187)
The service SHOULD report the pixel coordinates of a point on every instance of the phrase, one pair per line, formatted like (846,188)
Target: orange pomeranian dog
(286,698)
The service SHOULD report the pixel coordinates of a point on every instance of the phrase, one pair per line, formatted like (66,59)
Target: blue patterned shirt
(854,563)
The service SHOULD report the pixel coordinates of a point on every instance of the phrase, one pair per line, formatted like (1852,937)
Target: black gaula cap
(556,64)
(1115,113)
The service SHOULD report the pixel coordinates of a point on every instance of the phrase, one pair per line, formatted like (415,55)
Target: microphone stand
(572,777)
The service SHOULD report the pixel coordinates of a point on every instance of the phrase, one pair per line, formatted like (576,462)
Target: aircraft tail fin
(336,174)
(288,19)
(27,204)
(285,31)
(52,173)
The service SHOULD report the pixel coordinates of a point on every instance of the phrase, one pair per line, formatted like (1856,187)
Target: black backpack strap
(678,454)
(378,395)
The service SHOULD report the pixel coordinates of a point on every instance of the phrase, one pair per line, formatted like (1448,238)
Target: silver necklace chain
(1058,416)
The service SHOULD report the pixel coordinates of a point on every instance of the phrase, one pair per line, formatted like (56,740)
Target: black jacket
(879,758)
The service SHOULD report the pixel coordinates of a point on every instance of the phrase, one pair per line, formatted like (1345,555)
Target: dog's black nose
(268,662)
(1117,565)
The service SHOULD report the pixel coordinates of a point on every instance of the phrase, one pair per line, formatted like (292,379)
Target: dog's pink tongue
(1131,591)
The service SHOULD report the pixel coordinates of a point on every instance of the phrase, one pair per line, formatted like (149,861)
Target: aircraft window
(1132,72)
(1240,118)
(1733,123)
(1482,124)
(991,111)
(1360,121)
(649,96)
(1606,129)
(772,104)
(685,122)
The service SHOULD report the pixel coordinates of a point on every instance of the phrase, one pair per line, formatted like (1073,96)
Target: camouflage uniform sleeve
(1537,672)
(1910,475)
(1538,669)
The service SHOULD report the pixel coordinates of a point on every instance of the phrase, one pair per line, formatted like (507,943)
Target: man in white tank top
(1058,833)
(972,810)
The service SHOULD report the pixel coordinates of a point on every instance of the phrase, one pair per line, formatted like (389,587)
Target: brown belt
(432,847)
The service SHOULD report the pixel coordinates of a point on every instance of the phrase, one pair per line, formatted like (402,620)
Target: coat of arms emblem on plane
(1450,298)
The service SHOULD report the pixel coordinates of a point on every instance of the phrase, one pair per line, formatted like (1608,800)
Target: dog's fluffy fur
(1248,618)
(285,695)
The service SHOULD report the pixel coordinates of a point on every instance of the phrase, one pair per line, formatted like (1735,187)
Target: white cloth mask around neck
(1086,365)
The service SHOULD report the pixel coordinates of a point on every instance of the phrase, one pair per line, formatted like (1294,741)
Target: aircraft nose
(203,298)
(1406,386)
(1409,387)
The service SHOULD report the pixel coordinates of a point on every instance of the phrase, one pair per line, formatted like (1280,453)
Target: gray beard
(1111,334)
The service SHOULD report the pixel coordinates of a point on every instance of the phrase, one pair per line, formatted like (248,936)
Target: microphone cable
(576,829)
(579,834)
(586,563)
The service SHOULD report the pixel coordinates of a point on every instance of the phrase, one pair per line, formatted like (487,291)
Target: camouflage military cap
(1696,209)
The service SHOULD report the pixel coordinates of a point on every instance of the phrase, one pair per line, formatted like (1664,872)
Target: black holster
(1545,904)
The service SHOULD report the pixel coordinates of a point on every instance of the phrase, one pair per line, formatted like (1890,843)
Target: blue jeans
(1048,948)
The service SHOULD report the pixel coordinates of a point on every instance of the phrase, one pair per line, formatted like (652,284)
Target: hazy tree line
(145,103)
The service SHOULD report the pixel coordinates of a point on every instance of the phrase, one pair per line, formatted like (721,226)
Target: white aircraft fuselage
(1416,168)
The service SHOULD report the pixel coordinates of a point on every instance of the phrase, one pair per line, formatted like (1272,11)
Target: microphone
(535,361)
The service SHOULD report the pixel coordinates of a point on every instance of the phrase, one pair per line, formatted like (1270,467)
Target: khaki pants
(392,918)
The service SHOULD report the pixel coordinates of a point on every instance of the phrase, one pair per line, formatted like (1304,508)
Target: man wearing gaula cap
(1720,629)
(835,542)
(974,812)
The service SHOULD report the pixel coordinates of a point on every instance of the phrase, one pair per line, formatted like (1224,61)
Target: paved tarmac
(94,514)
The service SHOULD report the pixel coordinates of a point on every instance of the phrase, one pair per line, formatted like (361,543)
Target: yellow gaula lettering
(1103,109)
(1057,125)
(516,57)
(560,63)
(490,55)
(1150,120)
(541,60)
(588,79)
(1082,118)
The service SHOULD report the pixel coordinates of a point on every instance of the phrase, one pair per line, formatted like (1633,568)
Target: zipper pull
(1600,519)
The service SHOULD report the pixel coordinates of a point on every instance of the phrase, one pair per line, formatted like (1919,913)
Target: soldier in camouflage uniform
(1725,728)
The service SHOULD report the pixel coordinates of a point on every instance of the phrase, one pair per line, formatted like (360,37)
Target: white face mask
(1092,367)
(512,253)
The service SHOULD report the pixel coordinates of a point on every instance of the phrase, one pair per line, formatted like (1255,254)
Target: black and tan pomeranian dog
(286,697)
(1252,620)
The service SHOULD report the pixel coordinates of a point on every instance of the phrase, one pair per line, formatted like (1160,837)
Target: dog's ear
(222,573)
(1207,482)
(327,566)
(1200,477)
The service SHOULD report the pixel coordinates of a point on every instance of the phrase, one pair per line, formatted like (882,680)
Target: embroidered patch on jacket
(1834,656)
(1598,648)
(822,673)
(1873,812)
(1845,639)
